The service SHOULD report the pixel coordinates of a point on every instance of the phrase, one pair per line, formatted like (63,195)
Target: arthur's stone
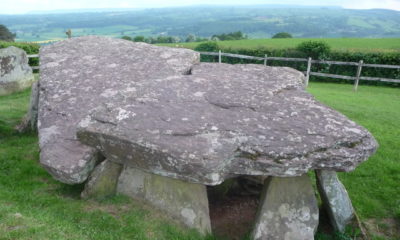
(15,72)
(79,74)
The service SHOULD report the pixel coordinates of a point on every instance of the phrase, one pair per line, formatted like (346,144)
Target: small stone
(335,199)
(15,72)
(18,215)
(288,210)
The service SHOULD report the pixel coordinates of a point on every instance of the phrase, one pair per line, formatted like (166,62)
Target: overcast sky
(24,6)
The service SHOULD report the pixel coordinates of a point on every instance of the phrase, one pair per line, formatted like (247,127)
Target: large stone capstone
(222,121)
(15,72)
(79,74)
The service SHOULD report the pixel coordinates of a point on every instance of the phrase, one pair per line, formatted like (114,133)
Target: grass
(34,206)
(374,186)
(339,44)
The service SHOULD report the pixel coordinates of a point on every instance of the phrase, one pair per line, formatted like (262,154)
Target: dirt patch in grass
(234,216)
(386,227)
(112,209)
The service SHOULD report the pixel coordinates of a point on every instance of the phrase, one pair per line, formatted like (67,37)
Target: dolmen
(157,125)
(15,72)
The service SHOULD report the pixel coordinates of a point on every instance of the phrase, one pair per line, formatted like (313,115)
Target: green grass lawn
(339,44)
(34,206)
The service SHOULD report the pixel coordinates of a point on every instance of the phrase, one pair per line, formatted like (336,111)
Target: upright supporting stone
(335,199)
(34,106)
(29,121)
(288,210)
(186,202)
(103,180)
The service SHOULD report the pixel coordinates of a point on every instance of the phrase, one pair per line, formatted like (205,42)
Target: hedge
(392,58)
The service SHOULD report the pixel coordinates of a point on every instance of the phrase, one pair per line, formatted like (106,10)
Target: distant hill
(83,10)
(261,21)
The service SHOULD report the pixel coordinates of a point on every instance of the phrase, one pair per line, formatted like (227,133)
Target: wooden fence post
(308,71)
(265,59)
(360,64)
(220,56)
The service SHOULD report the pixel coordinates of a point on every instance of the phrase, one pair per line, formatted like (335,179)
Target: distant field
(339,44)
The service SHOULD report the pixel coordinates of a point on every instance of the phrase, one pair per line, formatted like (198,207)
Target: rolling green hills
(261,21)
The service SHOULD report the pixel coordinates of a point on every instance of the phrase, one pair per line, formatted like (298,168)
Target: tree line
(190,38)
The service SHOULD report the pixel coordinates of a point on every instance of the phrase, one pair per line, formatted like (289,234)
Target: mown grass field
(339,44)
(34,206)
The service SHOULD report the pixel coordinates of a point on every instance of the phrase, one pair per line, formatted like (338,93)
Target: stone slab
(288,210)
(79,74)
(185,202)
(223,121)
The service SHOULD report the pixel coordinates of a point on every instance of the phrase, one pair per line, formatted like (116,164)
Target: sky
(24,6)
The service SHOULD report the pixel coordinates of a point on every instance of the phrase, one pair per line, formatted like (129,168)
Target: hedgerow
(390,58)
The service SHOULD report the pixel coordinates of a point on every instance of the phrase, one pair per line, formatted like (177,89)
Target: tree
(127,38)
(230,36)
(207,47)
(139,39)
(6,35)
(282,35)
(314,49)
(190,38)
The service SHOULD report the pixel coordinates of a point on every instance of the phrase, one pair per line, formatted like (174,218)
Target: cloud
(368,4)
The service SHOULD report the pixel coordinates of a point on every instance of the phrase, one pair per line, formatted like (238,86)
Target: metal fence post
(360,64)
(308,70)
(265,59)
(220,56)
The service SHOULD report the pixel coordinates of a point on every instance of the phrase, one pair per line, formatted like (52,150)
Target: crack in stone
(229,107)
(104,121)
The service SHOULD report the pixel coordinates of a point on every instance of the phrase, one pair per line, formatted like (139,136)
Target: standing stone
(335,199)
(29,121)
(33,106)
(186,202)
(288,210)
(103,180)
(15,72)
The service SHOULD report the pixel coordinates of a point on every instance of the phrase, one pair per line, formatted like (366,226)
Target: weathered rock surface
(335,199)
(15,72)
(103,180)
(222,121)
(79,74)
(183,201)
(288,210)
